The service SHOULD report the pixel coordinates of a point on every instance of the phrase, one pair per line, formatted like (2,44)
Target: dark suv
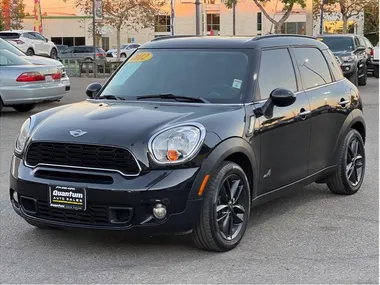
(177,145)
(351,54)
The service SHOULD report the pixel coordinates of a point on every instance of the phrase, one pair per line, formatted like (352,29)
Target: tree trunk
(345,23)
(277,28)
(234,17)
(118,30)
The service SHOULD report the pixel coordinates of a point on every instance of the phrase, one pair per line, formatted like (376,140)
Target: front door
(285,131)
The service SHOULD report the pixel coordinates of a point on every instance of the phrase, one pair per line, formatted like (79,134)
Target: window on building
(213,22)
(162,24)
(259,21)
(313,67)
(293,28)
(283,73)
(69,41)
(105,43)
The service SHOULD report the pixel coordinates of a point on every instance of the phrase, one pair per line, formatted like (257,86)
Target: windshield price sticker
(143,56)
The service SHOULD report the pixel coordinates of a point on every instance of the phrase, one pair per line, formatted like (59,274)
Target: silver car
(23,84)
(39,60)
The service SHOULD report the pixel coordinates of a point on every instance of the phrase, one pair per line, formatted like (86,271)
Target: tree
(232,4)
(119,14)
(288,6)
(371,20)
(16,14)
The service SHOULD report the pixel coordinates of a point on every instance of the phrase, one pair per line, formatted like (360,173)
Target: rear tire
(54,54)
(376,71)
(123,55)
(1,104)
(30,52)
(350,171)
(24,107)
(225,211)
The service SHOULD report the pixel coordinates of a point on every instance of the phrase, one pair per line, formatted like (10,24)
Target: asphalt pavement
(309,236)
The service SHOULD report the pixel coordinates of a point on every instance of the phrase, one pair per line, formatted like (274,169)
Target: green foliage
(17,15)
(371,18)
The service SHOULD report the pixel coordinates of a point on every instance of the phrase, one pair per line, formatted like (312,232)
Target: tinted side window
(276,71)
(68,50)
(334,65)
(80,50)
(313,67)
(29,36)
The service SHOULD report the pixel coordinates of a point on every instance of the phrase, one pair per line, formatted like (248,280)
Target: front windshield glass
(338,43)
(9,47)
(215,75)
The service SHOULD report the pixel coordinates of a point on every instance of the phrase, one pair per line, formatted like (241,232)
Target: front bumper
(32,93)
(132,197)
(348,69)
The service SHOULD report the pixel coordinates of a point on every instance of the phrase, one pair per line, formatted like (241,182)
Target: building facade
(215,19)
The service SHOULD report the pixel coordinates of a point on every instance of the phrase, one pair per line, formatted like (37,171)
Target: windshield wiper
(112,97)
(175,97)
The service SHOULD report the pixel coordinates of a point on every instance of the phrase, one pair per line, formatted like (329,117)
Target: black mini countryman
(190,133)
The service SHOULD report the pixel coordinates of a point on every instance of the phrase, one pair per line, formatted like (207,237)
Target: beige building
(215,19)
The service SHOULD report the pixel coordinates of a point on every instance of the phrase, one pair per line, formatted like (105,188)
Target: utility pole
(94,65)
(197,18)
(234,17)
(172,15)
(309,17)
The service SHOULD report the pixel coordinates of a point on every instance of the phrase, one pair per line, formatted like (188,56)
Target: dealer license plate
(67,197)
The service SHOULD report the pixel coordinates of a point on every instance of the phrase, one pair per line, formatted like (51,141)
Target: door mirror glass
(282,97)
(93,89)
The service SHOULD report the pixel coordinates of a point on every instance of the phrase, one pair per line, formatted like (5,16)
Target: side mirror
(282,97)
(93,89)
(361,48)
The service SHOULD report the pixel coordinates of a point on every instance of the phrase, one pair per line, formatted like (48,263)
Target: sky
(51,7)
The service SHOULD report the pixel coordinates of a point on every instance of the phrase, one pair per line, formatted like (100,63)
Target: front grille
(82,156)
(94,215)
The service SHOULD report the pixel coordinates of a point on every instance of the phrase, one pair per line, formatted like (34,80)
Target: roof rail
(173,37)
(282,35)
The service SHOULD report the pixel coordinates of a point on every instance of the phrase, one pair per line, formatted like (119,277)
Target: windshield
(338,43)
(5,45)
(8,58)
(215,75)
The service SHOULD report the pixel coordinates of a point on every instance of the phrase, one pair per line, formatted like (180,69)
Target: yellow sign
(319,39)
(142,56)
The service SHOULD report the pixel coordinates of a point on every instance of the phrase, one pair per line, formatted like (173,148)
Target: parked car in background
(31,42)
(125,50)
(23,84)
(374,60)
(38,60)
(219,127)
(61,48)
(83,53)
(350,53)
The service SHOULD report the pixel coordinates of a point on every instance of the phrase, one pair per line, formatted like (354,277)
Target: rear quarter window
(334,65)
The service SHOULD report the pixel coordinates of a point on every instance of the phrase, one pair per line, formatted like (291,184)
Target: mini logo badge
(77,133)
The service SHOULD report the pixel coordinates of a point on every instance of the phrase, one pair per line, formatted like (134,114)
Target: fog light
(159,211)
(15,196)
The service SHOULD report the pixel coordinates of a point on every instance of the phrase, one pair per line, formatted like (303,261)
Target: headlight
(22,137)
(177,144)
(349,58)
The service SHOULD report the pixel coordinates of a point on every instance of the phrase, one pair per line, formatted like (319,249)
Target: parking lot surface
(309,236)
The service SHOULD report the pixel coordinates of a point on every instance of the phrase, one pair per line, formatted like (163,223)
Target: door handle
(343,102)
(304,113)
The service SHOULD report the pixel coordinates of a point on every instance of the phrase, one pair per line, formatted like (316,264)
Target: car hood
(40,60)
(132,124)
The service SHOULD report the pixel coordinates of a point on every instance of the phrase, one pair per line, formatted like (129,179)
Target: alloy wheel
(231,207)
(355,160)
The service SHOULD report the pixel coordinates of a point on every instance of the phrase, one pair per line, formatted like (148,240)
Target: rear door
(328,102)
(284,132)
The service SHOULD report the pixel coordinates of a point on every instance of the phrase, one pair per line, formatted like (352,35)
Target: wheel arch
(236,150)
(354,121)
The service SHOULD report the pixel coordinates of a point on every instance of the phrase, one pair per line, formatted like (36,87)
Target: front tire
(349,174)
(225,211)
(24,107)
(363,80)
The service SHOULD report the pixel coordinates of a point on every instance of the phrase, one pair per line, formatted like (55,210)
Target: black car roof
(233,42)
